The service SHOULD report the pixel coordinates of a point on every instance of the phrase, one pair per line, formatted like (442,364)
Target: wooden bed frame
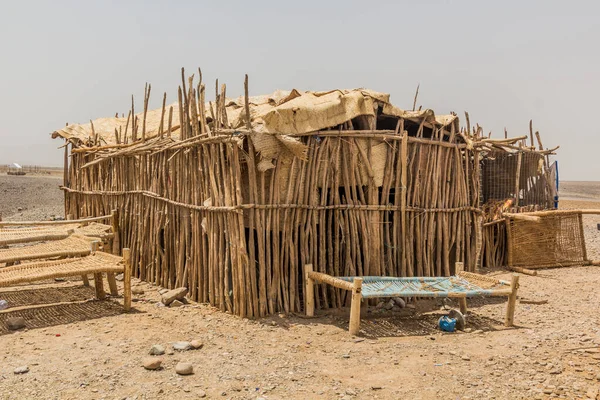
(355,287)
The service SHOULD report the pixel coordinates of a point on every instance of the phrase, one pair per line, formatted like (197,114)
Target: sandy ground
(31,197)
(79,348)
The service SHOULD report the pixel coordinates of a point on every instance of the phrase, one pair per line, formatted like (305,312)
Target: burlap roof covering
(278,114)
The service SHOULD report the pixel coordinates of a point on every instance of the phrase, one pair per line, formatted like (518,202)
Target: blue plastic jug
(447,324)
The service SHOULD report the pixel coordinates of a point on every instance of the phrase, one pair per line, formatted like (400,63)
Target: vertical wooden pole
(581,232)
(127,280)
(66,174)
(98,281)
(509,246)
(355,306)
(84,278)
(115,247)
(518,177)
(116,241)
(403,183)
(462,301)
(512,301)
(310,291)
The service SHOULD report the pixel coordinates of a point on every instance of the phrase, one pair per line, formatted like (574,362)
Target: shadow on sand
(39,306)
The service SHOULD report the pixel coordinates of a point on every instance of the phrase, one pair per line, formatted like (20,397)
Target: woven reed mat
(30,272)
(40,233)
(27,235)
(70,247)
(554,241)
(94,229)
(60,314)
(25,296)
(483,281)
(469,284)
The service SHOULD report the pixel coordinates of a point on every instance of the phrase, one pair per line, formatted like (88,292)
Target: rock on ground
(184,368)
(157,350)
(152,363)
(15,323)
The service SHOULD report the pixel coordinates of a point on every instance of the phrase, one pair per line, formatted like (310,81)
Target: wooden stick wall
(208,219)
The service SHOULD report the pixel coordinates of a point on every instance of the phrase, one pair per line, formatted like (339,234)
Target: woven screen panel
(555,241)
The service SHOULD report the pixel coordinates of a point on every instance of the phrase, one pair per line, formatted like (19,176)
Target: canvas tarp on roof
(280,113)
(82,134)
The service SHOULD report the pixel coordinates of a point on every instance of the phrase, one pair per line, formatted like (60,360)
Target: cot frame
(312,277)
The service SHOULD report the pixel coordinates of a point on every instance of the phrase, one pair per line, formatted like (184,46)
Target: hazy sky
(503,61)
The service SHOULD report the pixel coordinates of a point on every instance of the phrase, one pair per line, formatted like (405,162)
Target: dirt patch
(31,197)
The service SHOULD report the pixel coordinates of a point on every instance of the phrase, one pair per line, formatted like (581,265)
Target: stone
(465,358)
(380,305)
(196,344)
(182,346)
(137,290)
(176,303)
(163,291)
(399,302)
(152,363)
(390,304)
(21,370)
(15,323)
(157,350)
(184,368)
(172,295)
(201,394)
(119,277)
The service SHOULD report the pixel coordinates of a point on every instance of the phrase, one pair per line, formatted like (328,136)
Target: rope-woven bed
(71,246)
(96,263)
(461,286)
(14,236)
(17,235)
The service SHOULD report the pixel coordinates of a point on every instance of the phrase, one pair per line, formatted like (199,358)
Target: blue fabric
(385,286)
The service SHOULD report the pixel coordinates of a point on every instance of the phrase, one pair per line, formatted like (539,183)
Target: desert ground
(79,348)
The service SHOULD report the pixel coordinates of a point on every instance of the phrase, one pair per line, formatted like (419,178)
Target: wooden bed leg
(112,284)
(462,302)
(364,309)
(512,301)
(99,286)
(355,306)
(98,281)
(127,280)
(84,278)
(115,245)
(310,292)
